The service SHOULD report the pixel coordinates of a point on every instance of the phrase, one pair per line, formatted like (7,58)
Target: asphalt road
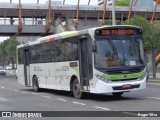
(15,97)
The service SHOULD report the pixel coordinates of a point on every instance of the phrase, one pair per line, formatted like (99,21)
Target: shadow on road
(89,96)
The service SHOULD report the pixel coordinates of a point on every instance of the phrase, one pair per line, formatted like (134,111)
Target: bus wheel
(117,94)
(35,84)
(77,89)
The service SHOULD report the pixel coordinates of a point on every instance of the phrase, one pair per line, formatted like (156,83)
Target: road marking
(129,113)
(16,90)
(154,98)
(102,108)
(3,99)
(34,93)
(24,92)
(153,83)
(46,96)
(61,99)
(10,89)
(2,87)
(78,103)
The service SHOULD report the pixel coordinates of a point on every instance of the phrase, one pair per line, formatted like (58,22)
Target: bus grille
(124,71)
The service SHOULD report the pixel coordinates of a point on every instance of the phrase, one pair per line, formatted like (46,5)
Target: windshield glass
(116,52)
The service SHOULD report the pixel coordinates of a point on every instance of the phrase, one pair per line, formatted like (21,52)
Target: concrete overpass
(40,19)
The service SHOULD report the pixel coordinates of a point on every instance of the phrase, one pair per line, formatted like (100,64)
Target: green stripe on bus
(123,76)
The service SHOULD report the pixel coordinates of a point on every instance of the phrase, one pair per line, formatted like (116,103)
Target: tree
(11,49)
(8,50)
(122,3)
(150,33)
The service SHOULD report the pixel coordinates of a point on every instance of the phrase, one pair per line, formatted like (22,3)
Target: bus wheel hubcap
(77,89)
(35,85)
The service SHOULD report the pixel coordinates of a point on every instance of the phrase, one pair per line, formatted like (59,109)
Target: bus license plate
(127,86)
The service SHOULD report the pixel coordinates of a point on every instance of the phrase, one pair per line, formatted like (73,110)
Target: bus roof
(50,38)
(67,34)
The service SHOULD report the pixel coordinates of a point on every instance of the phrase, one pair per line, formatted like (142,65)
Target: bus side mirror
(94,48)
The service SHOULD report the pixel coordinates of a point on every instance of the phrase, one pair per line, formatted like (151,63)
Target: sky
(82,2)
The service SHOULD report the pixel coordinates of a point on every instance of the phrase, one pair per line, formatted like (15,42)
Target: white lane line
(16,90)
(2,87)
(154,98)
(24,92)
(78,103)
(129,113)
(4,99)
(102,108)
(34,93)
(61,99)
(46,96)
(10,89)
(153,83)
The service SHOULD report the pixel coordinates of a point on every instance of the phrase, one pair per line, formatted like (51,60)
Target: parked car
(2,70)
(8,68)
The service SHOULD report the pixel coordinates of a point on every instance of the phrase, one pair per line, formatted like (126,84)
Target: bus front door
(26,68)
(84,69)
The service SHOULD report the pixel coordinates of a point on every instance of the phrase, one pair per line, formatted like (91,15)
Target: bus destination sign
(127,31)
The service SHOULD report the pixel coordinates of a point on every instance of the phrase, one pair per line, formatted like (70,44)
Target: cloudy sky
(82,2)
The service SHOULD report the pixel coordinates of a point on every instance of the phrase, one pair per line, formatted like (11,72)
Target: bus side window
(20,56)
(60,51)
(33,55)
(71,49)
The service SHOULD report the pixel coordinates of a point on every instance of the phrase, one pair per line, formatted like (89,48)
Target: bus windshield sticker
(132,63)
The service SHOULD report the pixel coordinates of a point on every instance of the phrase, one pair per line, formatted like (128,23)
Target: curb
(154,81)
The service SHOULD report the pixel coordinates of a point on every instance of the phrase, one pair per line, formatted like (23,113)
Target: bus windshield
(119,52)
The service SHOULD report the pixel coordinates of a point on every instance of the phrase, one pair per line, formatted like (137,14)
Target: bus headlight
(102,78)
(142,77)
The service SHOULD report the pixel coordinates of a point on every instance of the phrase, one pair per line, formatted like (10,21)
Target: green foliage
(11,47)
(122,3)
(8,48)
(150,33)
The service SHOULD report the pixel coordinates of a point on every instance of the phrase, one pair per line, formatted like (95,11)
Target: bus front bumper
(102,87)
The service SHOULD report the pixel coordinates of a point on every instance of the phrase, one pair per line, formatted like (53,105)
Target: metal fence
(152,63)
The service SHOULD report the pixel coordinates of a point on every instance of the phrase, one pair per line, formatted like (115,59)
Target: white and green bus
(108,59)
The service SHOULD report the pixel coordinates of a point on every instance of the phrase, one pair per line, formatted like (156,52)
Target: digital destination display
(120,31)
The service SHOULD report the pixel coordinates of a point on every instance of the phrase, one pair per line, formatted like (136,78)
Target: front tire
(77,89)
(117,94)
(35,84)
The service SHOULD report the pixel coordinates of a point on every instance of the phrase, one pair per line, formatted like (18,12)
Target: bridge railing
(27,21)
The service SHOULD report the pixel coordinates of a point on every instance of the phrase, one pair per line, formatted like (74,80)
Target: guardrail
(27,21)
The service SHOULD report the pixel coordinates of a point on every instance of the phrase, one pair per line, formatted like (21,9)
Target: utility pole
(104,12)
(89,2)
(113,12)
(153,15)
(63,2)
(77,15)
(130,10)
